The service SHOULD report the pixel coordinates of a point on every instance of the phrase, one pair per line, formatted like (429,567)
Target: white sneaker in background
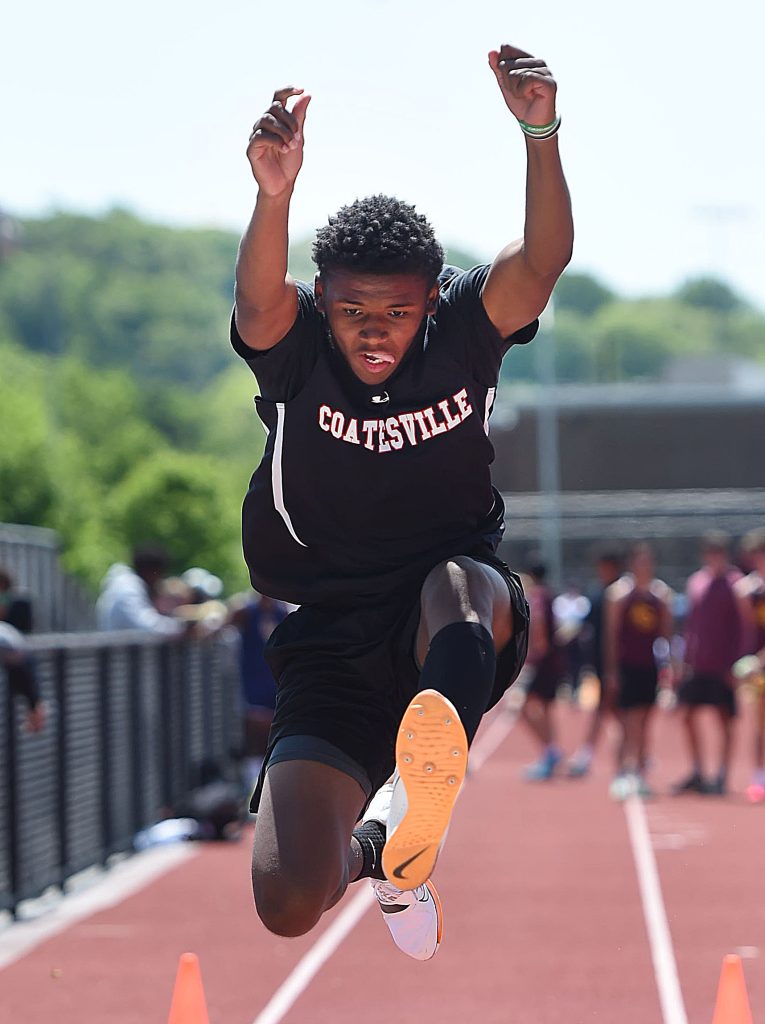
(623,786)
(413,916)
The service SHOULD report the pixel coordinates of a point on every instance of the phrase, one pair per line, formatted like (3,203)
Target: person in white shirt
(125,601)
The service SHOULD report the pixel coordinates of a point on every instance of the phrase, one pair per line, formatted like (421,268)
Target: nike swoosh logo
(399,871)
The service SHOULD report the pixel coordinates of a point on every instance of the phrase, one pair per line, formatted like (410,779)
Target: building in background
(662,461)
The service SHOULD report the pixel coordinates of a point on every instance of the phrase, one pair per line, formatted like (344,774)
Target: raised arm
(265,294)
(523,275)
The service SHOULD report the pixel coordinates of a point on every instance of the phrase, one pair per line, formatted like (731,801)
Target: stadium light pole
(548,464)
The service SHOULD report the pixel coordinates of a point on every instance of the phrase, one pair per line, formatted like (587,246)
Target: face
(374,318)
(715,560)
(608,571)
(642,564)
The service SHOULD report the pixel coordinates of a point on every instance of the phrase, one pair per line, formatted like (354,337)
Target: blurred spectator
(17,660)
(256,620)
(544,669)
(638,622)
(202,609)
(171,593)
(204,585)
(571,609)
(752,667)
(608,568)
(127,595)
(15,608)
(714,638)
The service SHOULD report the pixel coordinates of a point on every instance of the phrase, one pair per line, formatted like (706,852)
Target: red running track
(543,918)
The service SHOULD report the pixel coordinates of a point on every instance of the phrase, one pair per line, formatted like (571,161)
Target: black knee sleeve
(461,664)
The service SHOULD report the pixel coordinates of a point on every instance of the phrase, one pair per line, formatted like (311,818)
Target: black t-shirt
(362,488)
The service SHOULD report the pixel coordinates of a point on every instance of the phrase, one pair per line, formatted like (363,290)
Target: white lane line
(492,738)
(309,966)
(316,957)
(659,937)
(111,888)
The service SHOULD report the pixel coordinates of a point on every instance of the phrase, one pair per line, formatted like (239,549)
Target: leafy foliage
(581,293)
(176,500)
(709,293)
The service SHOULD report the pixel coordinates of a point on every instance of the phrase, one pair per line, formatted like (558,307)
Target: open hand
(275,149)
(527,84)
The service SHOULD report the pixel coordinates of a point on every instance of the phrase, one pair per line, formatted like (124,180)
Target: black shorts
(707,688)
(545,678)
(344,679)
(637,686)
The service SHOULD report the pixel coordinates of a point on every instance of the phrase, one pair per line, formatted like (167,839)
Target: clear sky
(149,105)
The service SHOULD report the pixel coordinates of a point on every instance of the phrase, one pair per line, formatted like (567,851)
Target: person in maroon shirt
(752,667)
(638,613)
(714,638)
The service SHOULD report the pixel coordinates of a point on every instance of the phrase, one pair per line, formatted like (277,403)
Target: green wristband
(540,131)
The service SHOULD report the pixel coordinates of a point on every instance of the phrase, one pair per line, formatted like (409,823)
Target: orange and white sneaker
(431,761)
(414,917)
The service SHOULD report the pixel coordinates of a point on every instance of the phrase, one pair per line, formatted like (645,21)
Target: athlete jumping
(373,510)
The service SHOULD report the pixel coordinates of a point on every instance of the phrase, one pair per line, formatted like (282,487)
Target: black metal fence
(60,602)
(131,719)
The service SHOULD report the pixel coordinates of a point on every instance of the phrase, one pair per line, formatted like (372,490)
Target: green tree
(636,339)
(27,491)
(581,293)
(178,501)
(44,298)
(103,411)
(743,333)
(120,292)
(710,294)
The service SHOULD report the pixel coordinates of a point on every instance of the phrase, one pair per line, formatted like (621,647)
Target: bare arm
(539,637)
(667,619)
(747,621)
(524,273)
(265,294)
(613,612)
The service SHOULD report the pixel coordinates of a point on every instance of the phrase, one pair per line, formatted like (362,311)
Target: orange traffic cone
(189,1005)
(732,1005)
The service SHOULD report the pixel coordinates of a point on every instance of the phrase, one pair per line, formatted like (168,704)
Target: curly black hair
(378,235)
